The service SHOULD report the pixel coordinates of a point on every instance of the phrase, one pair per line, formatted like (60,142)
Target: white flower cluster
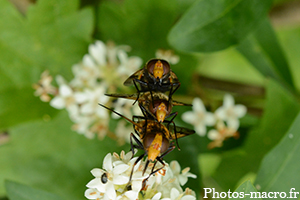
(111,182)
(225,119)
(99,72)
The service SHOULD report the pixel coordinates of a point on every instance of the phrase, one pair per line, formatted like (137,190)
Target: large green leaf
(264,52)
(279,170)
(280,110)
(47,155)
(17,191)
(144,25)
(54,36)
(245,191)
(217,24)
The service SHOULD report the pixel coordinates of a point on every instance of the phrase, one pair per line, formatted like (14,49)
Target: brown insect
(155,76)
(154,138)
(157,106)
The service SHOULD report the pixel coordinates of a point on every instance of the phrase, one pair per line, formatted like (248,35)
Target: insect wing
(125,96)
(173,78)
(178,103)
(180,132)
(137,75)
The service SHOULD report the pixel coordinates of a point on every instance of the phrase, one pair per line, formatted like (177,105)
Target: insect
(155,76)
(156,106)
(154,138)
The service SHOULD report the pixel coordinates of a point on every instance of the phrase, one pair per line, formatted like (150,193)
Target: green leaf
(280,167)
(54,36)
(48,155)
(264,52)
(17,191)
(280,110)
(143,25)
(217,24)
(245,191)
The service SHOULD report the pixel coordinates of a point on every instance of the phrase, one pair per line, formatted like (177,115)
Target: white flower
(125,107)
(176,195)
(92,193)
(105,180)
(230,112)
(100,71)
(184,175)
(123,131)
(112,181)
(199,117)
(66,98)
(219,134)
(44,88)
(128,65)
(167,55)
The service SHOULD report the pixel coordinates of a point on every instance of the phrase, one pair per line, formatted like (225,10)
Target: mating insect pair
(152,132)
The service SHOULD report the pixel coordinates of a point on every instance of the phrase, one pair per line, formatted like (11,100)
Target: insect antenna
(129,120)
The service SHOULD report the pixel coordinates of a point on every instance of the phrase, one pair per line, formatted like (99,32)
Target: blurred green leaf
(143,25)
(49,156)
(280,110)
(265,53)
(217,24)
(280,167)
(17,191)
(245,188)
(54,36)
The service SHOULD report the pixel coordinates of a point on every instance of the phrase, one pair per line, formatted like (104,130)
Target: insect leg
(131,173)
(138,91)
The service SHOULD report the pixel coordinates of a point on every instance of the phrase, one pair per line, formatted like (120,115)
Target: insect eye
(104,178)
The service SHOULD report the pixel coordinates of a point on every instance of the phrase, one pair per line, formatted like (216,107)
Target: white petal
(189,117)
(65,90)
(188,197)
(107,162)
(97,172)
(191,175)
(174,193)
(92,194)
(136,185)
(80,97)
(97,184)
(221,113)
(213,134)
(98,51)
(60,80)
(198,105)
(233,123)
(132,194)
(120,168)
(182,180)
(73,110)
(87,108)
(120,180)
(58,102)
(110,191)
(240,110)
(156,196)
(209,119)
(88,61)
(175,167)
(200,129)
(228,101)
